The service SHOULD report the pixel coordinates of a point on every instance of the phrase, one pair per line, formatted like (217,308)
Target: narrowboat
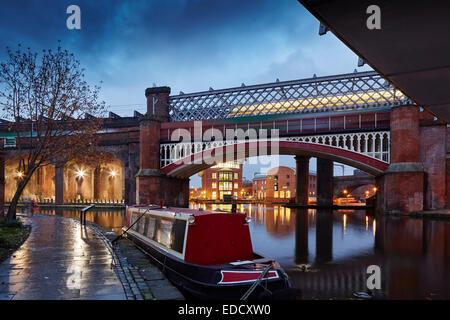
(208,254)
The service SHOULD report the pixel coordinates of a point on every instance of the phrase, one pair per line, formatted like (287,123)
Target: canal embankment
(63,259)
(141,279)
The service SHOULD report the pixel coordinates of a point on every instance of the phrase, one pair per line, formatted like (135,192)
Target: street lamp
(80,173)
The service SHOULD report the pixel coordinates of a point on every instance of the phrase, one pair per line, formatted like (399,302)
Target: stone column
(149,178)
(97,183)
(59,184)
(2,182)
(403,181)
(302,179)
(324,182)
(433,157)
(301,235)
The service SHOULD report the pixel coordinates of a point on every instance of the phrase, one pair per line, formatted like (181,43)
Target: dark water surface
(326,254)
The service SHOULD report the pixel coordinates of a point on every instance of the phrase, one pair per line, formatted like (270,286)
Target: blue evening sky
(189,45)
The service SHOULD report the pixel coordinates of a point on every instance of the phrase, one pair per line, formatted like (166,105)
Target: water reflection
(337,247)
(112,219)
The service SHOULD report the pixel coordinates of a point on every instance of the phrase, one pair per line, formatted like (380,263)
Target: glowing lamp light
(20,174)
(345,191)
(375,189)
(113,173)
(80,173)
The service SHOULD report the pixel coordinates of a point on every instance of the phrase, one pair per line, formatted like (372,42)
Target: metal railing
(375,145)
(353,91)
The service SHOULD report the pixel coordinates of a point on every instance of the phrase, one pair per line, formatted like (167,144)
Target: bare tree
(54,114)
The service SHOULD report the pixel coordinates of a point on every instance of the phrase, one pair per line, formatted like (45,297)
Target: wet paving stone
(60,260)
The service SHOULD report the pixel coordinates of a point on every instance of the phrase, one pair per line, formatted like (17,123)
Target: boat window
(164,232)
(168,232)
(151,227)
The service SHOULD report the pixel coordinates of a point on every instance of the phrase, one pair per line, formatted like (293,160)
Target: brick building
(222,179)
(278,185)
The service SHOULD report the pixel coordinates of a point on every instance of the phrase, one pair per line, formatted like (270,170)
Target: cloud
(189,45)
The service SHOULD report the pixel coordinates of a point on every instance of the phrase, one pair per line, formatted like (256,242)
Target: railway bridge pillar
(402,184)
(324,182)
(152,185)
(302,179)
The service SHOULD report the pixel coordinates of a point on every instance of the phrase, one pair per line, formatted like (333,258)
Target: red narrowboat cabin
(208,254)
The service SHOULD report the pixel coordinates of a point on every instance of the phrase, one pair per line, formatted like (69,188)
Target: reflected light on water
(344,221)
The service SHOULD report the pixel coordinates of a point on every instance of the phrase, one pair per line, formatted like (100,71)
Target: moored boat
(208,254)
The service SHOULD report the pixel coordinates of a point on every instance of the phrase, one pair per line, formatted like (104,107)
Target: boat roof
(181,211)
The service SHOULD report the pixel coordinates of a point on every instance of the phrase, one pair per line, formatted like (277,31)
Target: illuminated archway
(89,183)
(40,188)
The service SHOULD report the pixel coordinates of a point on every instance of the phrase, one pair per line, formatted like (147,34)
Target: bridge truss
(353,91)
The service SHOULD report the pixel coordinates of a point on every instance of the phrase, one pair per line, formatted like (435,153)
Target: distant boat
(207,253)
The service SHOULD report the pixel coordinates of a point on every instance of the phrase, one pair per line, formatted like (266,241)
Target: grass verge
(12,234)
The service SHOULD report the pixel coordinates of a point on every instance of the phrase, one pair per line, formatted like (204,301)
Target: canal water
(326,253)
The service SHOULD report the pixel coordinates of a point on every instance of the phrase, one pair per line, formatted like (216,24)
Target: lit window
(214,185)
(288,194)
(214,195)
(275,194)
(236,176)
(235,185)
(214,175)
(281,194)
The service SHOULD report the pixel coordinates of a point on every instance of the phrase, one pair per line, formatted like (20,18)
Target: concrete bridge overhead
(410,49)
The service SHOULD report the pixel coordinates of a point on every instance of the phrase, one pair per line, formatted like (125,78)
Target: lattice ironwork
(319,94)
(374,145)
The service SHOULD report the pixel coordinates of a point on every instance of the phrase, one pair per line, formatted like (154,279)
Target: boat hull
(210,282)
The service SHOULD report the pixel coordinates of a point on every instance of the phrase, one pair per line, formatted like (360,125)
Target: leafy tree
(53,112)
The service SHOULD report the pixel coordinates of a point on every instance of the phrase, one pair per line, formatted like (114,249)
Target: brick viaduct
(417,178)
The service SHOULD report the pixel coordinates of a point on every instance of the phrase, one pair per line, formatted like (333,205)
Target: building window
(235,194)
(226,186)
(287,176)
(226,176)
(275,194)
(214,185)
(235,185)
(281,194)
(236,176)
(214,175)
(288,194)
(214,195)
(287,184)
(275,187)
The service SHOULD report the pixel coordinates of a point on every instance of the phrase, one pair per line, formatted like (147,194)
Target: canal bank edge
(141,279)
